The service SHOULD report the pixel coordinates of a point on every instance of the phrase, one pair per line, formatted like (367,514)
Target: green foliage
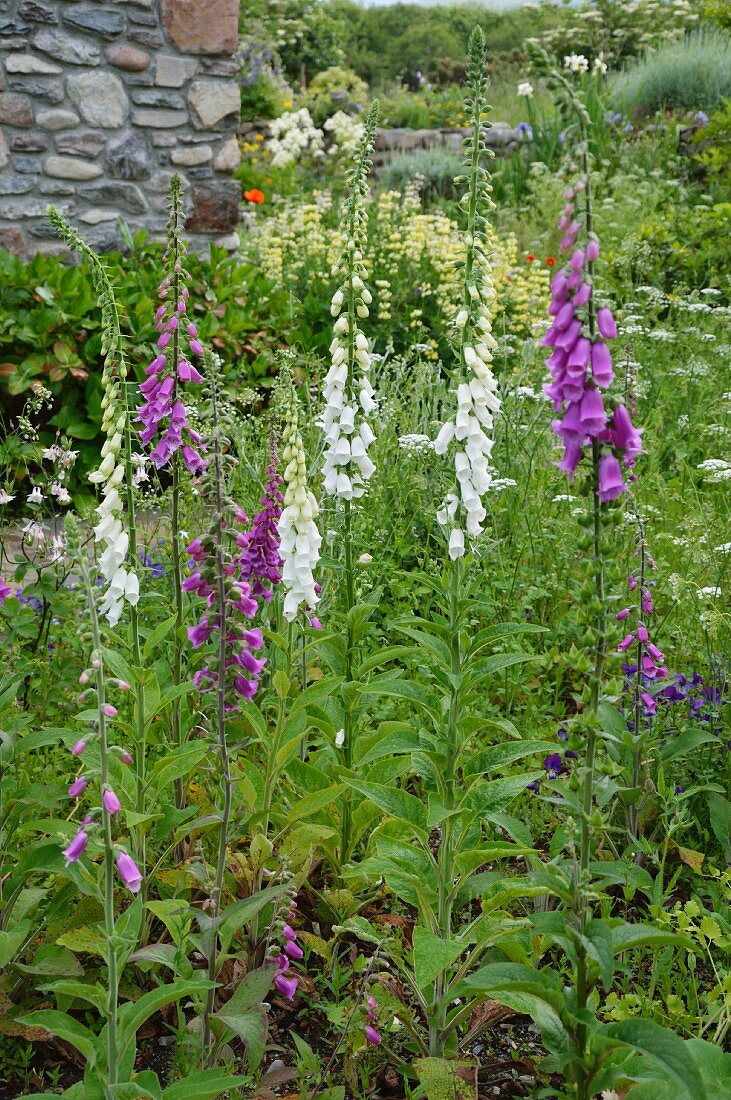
(693,73)
(433,171)
(617,30)
(336,89)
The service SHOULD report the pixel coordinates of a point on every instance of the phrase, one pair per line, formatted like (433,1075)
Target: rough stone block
(159,119)
(64,47)
(129,157)
(16,185)
(57,119)
(128,58)
(228,157)
(38,87)
(173,72)
(28,143)
(211,101)
(69,168)
(196,27)
(37,13)
(15,110)
(4,154)
(85,144)
(194,154)
(158,97)
(125,195)
(215,207)
(107,24)
(27,63)
(100,98)
(11,238)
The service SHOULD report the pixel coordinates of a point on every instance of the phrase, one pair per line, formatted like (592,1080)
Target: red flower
(254,195)
(550,261)
(530,257)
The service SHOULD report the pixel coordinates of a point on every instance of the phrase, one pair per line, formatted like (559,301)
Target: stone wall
(101,102)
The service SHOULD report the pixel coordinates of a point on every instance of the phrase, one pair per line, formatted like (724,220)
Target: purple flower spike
(607,324)
(372,1035)
(78,747)
(293,950)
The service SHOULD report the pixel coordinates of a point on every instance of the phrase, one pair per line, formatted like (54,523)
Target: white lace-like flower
(525,89)
(300,539)
(346,132)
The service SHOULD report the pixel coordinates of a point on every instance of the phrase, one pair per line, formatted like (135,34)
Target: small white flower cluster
(297,527)
(525,89)
(576,63)
(109,531)
(415,444)
(293,136)
(600,66)
(346,133)
(717,470)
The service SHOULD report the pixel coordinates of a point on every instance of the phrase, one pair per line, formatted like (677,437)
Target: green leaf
(687,742)
(432,955)
(627,936)
(177,765)
(313,803)
(156,636)
(207,1084)
(245,1014)
(11,942)
(599,937)
(447,1079)
(134,1014)
(404,689)
(65,1027)
(91,992)
(497,757)
(395,802)
(666,1050)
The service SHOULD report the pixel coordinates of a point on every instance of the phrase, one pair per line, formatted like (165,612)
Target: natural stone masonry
(100,102)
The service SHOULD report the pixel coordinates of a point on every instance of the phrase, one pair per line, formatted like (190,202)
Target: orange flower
(255,195)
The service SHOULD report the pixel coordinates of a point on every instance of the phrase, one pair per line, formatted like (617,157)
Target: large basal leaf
(134,1015)
(447,1079)
(245,1015)
(432,955)
(207,1084)
(667,1052)
(394,802)
(65,1027)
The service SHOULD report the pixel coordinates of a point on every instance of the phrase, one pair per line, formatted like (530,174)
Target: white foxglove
(299,537)
(348,395)
(467,435)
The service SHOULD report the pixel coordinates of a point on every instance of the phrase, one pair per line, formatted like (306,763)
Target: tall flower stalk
(101,816)
(603,435)
(464,435)
(163,415)
(348,400)
(217,578)
(117,511)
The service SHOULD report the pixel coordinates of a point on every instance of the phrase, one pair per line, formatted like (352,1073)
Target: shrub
(433,170)
(336,89)
(693,73)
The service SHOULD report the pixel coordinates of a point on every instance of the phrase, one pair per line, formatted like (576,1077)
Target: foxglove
(163,415)
(348,394)
(468,433)
(297,527)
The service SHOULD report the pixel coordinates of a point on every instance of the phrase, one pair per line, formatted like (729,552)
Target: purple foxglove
(76,848)
(111,803)
(129,872)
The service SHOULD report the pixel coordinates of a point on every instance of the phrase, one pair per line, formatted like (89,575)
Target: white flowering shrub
(294,137)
